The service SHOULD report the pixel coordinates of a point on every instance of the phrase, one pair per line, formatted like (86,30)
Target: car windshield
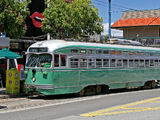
(40,60)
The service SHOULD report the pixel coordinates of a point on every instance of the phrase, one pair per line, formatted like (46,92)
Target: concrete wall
(141,32)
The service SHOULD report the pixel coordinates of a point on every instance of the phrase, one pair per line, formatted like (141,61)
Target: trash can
(13,81)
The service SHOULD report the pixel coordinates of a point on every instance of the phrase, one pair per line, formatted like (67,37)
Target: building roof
(138,18)
(132,22)
(141,14)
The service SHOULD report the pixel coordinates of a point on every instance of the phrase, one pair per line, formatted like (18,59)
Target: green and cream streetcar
(60,67)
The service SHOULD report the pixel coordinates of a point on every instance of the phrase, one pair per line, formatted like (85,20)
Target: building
(139,24)
(4,42)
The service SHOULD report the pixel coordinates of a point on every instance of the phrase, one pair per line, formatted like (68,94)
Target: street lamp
(109,19)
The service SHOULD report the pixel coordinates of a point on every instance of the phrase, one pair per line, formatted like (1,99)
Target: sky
(117,8)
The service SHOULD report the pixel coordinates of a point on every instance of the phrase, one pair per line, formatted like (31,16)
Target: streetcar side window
(106,52)
(159,63)
(83,63)
(112,52)
(125,63)
(105,62)
(113,63)
(74,62)
(156,63)
(98,63)
(91,63)
(119,63)
(125,52)
(56,60)
(151,63)
(141,63)
(119,52)
(63,60)
(98,51)
(146,63)
(90,51)
(74,51)
(83,51)
(136,63)
(131,63)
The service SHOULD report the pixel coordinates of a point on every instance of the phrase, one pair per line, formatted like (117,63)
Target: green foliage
(71,20)
(106,37)
(12,17)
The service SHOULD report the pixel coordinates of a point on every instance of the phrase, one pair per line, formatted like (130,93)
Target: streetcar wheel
(98,89)
(81,93)
(154,84)
(105,89)
(150,85)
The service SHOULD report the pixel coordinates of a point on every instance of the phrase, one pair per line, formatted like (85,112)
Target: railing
(147,41)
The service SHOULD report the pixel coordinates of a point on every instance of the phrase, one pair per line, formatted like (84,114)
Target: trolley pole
(109,19)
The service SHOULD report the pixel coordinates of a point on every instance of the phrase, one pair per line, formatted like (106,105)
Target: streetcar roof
(58,44)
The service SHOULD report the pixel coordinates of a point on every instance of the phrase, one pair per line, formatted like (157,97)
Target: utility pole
(109,19)
(48,34)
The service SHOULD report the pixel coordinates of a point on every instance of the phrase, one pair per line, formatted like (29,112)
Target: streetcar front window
(41,60)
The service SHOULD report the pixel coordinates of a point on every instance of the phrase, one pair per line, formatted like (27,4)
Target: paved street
(133,105)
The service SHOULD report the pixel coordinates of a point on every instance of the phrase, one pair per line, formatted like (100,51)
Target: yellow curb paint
(110,111)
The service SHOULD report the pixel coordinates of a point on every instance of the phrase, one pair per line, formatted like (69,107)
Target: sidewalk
(4,95)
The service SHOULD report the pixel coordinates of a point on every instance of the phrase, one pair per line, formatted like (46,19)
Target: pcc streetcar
(60,67)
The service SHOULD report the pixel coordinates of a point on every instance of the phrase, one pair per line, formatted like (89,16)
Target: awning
(6,54)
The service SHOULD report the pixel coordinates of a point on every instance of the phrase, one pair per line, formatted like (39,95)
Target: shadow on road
(3,107)
(70,96)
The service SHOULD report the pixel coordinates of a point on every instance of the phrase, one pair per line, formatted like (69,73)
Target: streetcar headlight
(33,79)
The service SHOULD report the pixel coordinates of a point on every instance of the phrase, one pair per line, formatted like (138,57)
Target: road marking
(73,100)
(125,108)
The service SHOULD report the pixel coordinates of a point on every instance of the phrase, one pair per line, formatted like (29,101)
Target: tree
(71,20)
(106,37)
(12,17)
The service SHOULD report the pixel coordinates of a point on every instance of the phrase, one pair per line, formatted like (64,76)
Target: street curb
(6,96)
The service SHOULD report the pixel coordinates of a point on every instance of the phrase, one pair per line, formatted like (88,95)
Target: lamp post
(109,19)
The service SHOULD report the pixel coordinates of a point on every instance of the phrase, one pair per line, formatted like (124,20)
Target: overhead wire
(120,6)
